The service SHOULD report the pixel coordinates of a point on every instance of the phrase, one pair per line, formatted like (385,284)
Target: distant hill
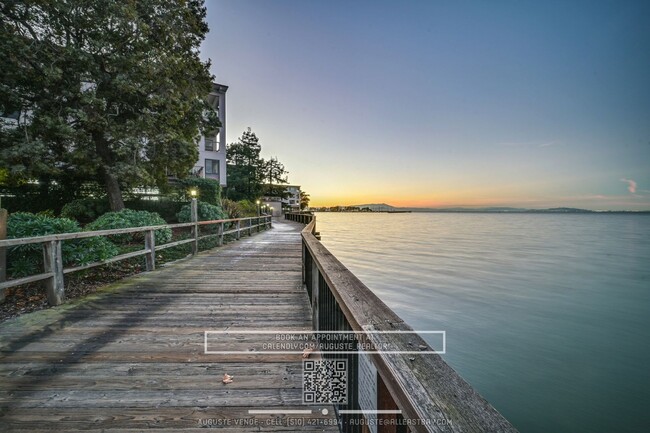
(379,207)
(384,207)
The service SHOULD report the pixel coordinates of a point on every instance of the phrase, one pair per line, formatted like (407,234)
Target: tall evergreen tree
(103,89)
(274,176)
(244,168)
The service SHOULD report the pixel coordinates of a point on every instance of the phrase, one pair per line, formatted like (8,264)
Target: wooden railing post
(150,245)
(195,228)
(3,252)
(220,230)
(386,403)
(53,263)
(238,229)
(315,293)
(250,227)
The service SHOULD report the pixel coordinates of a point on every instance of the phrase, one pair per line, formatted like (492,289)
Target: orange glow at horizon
(441,200)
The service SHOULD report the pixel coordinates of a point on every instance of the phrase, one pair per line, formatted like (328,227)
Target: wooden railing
(300,217)
(53,270)
(411,391)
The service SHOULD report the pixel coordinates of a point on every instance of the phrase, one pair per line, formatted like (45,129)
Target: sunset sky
(440,103)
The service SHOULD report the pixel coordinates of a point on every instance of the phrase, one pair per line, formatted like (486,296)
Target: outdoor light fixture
(193,192)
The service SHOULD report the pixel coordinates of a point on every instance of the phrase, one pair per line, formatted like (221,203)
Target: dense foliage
(304,200)
(28,259)
(208,190)
(239,209)
(102,90)
(244,173)
(249,175)
(165,207)
(231,209)
(205,212)
(85,210)
(274,176)
(131,218)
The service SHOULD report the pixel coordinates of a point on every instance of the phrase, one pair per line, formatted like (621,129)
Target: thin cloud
(536,143)
(631,185)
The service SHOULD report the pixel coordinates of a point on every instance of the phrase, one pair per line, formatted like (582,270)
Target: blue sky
(432,103)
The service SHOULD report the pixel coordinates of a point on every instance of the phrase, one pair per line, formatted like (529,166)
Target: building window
(211,144)
(212,167)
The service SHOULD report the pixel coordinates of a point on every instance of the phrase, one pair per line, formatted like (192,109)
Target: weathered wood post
(315,294)
(220,234)
(238,229)
(250,226)
(194,216)
(53,263)
(3,252)
(386,403)
(150,245)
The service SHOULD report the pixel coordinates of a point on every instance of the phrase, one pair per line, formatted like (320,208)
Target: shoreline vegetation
(386,208)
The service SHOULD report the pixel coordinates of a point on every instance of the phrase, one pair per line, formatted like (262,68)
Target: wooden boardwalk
(131,357)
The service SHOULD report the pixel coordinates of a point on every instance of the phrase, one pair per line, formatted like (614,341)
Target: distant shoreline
(518,212)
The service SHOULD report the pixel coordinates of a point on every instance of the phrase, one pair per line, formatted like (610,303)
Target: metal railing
(53,270)
(410,391)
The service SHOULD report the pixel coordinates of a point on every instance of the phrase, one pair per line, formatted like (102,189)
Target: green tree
(274,176)
(112,91)
(304,200)
(244,168)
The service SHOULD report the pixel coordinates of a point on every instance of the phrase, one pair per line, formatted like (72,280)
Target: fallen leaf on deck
(227,378)
(307,352)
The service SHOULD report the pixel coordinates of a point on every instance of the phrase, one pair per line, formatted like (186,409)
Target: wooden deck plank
(132,356)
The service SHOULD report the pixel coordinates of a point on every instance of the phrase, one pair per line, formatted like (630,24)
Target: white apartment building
(280,204)
(293,200)
(212,148)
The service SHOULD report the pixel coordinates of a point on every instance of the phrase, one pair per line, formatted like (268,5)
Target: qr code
(325,381)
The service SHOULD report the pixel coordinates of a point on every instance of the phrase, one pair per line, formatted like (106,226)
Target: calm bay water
(547,315)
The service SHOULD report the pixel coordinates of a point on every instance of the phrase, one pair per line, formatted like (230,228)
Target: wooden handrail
(423,387)
(90,234)
(53,271)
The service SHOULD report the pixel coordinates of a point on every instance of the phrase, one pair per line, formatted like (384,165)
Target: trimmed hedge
(28,259)
(209,190)
(166,208)
(127,218)
(206,212)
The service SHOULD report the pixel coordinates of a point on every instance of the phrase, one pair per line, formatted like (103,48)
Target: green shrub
(248,208)
(206,212)
(209,190)
(166,208)
(85,209)
(28,259)
(231,208)
(127,218)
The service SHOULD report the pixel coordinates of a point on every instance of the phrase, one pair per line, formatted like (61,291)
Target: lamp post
(193,205)
(271,209)
(258,208)
(194,217)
